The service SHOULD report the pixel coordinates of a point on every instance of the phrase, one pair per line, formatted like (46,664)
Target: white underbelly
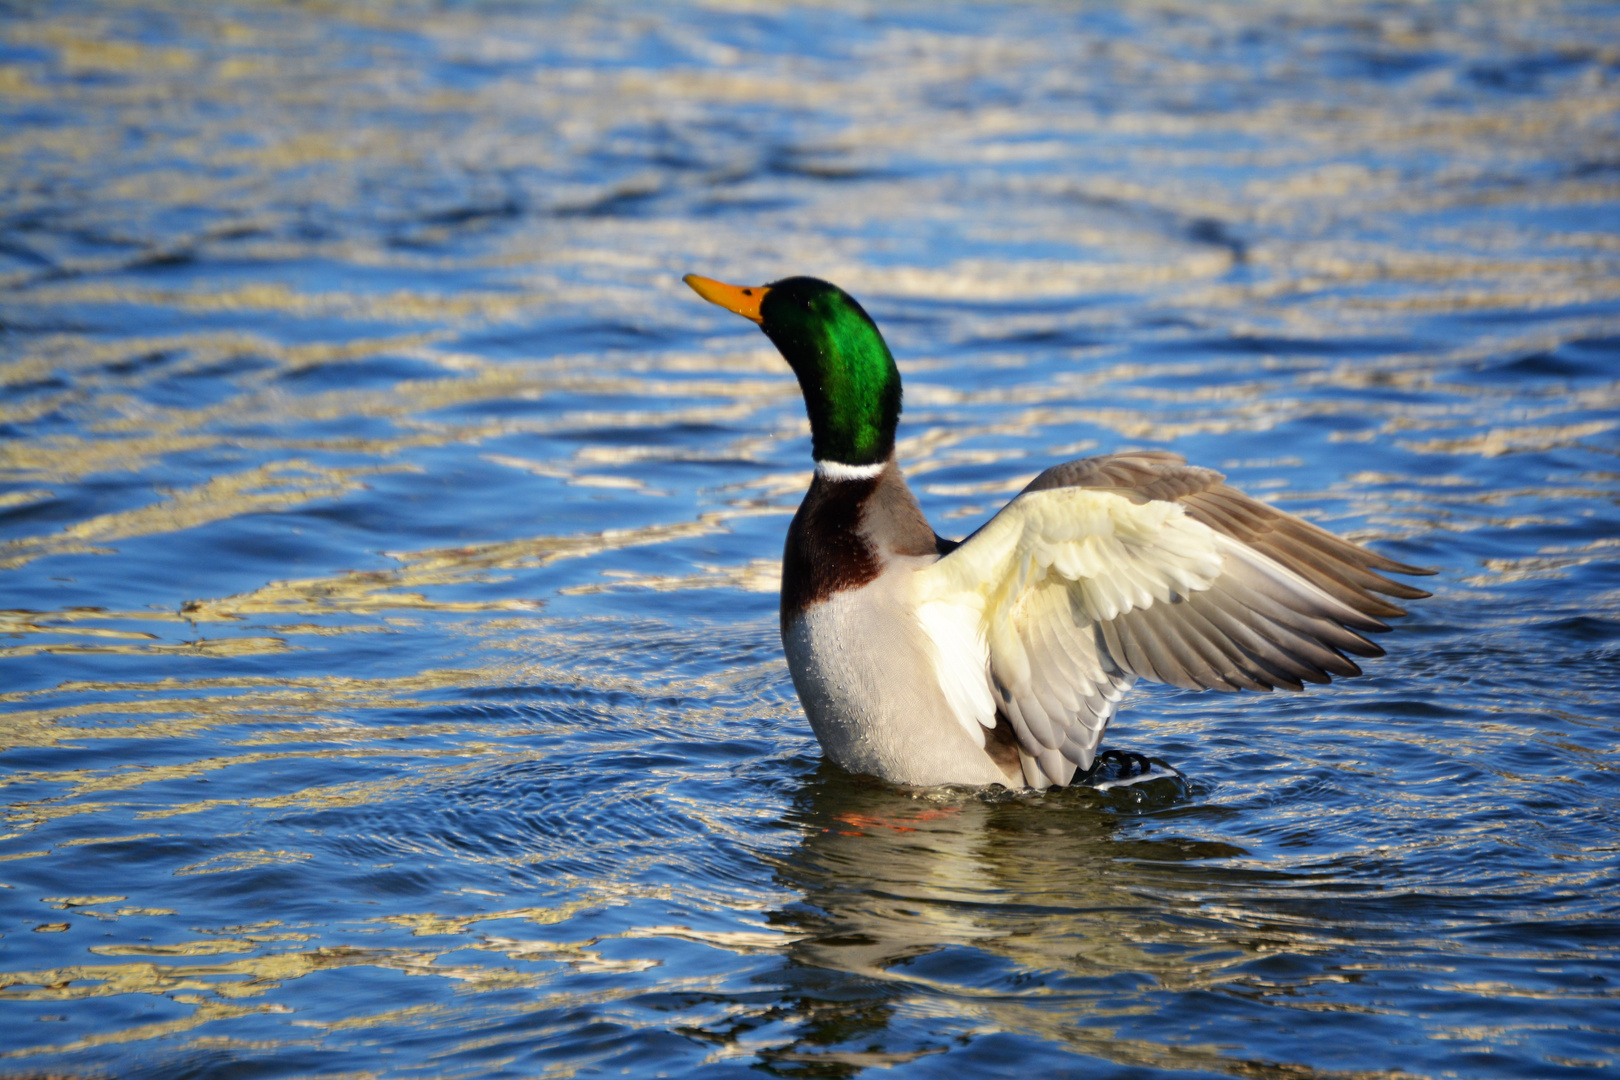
(865,672)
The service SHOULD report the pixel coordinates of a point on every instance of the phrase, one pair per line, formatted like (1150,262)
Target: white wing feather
(1114,555)
(1052,563)
(962,662)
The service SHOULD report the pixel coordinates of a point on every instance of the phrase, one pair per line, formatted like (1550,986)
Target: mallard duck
(1000,659)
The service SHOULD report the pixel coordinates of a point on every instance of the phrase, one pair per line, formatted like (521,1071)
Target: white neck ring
(837,470)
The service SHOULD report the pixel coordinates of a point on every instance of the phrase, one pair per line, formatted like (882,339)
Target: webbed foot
(1117,768)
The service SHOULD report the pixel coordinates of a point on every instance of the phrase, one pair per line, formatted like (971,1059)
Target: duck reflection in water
(908,903)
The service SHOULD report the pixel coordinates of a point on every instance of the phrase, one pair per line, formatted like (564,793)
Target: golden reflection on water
(891,878)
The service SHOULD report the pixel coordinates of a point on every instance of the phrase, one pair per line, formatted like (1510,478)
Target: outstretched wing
(1137,565)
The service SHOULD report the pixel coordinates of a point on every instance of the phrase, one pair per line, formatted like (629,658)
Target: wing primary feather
(1277,585)
(1366,557)
(1182,630)
(1113,647)
(1317,659)
(1152,627)
(1310,541)
(1165,669)
(1284,670)
(1183,633)
(1219,648)
(1344,581)
(1129,650)
(1228,510)
(1309,627)
(1241,669)
(1211,512)
(1315,641)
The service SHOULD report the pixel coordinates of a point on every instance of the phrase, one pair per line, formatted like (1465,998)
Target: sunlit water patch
(389,675)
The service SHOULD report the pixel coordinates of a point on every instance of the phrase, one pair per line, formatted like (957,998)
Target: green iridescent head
(850,384)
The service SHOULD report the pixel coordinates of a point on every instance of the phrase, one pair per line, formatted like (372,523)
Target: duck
(1000,659)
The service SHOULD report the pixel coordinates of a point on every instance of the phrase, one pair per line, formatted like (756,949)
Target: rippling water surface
(389,675)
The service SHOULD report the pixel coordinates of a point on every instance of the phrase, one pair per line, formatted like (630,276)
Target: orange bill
(742,299)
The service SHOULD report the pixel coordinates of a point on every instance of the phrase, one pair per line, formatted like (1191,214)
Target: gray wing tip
(1384,562)
(1400,590)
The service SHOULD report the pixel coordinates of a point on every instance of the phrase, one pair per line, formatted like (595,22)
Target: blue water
(389,680)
